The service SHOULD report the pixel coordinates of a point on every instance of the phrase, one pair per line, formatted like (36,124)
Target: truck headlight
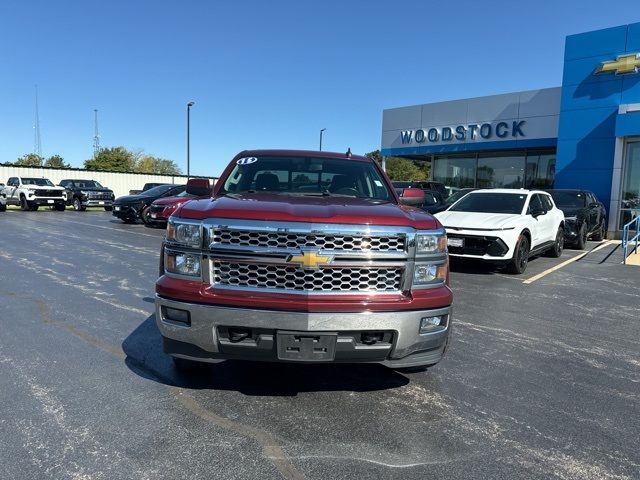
(189,234)
(429,274)
(182,263)
(434,242)
(31,191)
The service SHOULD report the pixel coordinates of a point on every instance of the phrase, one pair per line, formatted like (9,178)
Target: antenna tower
(96,135)
(37,145)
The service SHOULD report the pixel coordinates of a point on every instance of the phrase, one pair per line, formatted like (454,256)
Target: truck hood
(289,208)
(42,187)
(476,220)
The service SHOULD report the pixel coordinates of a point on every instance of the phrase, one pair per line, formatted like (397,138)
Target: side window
(11,181)
(546,202)
(535,204)
(65,183)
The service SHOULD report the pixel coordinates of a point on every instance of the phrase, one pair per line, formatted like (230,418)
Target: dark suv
(584,215)
(87,193)
(131,207)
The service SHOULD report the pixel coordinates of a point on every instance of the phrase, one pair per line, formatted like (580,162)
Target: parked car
(425,185)
(450,200)
(504,226)
(284,271)
(131,207)
(584,216)
(31,193)
(87,193)
(162,208)
(147,186)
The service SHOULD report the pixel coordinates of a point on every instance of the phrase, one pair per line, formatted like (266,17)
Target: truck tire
(600,233)
(24,205)
(518,263)
(77,205)
(3,207)
(582,237)
(34,207)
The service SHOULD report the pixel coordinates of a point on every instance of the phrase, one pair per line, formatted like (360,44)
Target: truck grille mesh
(394,243)
(48,193)
(288,277)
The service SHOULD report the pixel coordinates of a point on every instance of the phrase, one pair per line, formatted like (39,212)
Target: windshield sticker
(378,183)
(247,160)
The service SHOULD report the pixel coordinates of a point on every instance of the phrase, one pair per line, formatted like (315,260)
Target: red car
(161,209)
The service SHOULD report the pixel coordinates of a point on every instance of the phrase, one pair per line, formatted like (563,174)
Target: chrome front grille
(293,278)
(357,243)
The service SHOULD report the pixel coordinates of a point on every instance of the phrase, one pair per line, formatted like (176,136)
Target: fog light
(433,324)
(176,315)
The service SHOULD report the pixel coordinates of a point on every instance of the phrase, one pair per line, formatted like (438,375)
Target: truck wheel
(582,237)
(77,205)
(184,365)
(108,209)
(34,207)
(3,207)
(24,205)
(518,264)
(558,246)
(600,233)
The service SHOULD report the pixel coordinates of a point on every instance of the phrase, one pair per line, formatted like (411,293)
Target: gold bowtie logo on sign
(622,65)
(310,260)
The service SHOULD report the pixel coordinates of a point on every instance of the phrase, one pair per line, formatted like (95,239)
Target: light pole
(189,105)
(321,130)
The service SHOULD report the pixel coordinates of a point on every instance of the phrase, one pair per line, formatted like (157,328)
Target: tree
(56,161)
(29,160)
(402,168)
(115,159)
(151,164)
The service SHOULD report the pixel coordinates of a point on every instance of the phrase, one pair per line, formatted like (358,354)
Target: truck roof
(301,153)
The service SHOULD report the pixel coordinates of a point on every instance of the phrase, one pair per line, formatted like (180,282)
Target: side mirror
(412,196)
(536,212)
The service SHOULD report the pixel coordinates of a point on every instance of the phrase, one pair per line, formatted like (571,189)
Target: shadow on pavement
(145,358)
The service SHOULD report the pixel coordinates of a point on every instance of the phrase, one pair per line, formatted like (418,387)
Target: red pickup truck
(304,256)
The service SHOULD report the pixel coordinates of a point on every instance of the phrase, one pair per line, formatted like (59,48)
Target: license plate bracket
(455,242)
(306,346)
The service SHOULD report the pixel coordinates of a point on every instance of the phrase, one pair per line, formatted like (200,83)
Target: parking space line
(567,262)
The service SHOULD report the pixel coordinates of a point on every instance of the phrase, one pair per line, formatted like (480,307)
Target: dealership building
(584,134)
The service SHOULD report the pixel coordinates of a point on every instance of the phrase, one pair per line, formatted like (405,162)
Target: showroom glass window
(630,203)
(501,171)
(541,169)
(455,172)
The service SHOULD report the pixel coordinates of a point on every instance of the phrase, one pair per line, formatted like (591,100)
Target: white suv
(504,226)
(31,193)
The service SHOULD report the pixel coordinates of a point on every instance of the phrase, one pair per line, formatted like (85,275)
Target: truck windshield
(307,176)
(491,203)
(40,182)
(568,199)
(87,184)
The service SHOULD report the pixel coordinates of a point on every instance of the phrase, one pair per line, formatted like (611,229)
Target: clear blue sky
(264,74)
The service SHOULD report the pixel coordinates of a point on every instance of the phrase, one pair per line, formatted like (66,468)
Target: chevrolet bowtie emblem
(621,65)
(309,260)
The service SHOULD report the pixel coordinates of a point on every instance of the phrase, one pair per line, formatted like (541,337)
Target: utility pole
(96,135)
(189,105)
(37,144)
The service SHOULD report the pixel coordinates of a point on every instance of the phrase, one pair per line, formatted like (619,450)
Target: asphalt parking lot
(541,381)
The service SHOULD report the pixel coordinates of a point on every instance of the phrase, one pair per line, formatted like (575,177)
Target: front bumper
(96,203)
(124,211)
(208,336)
(490,245)
(46,201)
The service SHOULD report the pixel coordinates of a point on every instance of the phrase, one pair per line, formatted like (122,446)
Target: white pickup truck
(31,193)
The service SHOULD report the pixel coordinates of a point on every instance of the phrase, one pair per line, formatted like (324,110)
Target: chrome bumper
(408,348)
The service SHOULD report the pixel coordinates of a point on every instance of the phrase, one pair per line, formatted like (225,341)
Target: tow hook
(238,335)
